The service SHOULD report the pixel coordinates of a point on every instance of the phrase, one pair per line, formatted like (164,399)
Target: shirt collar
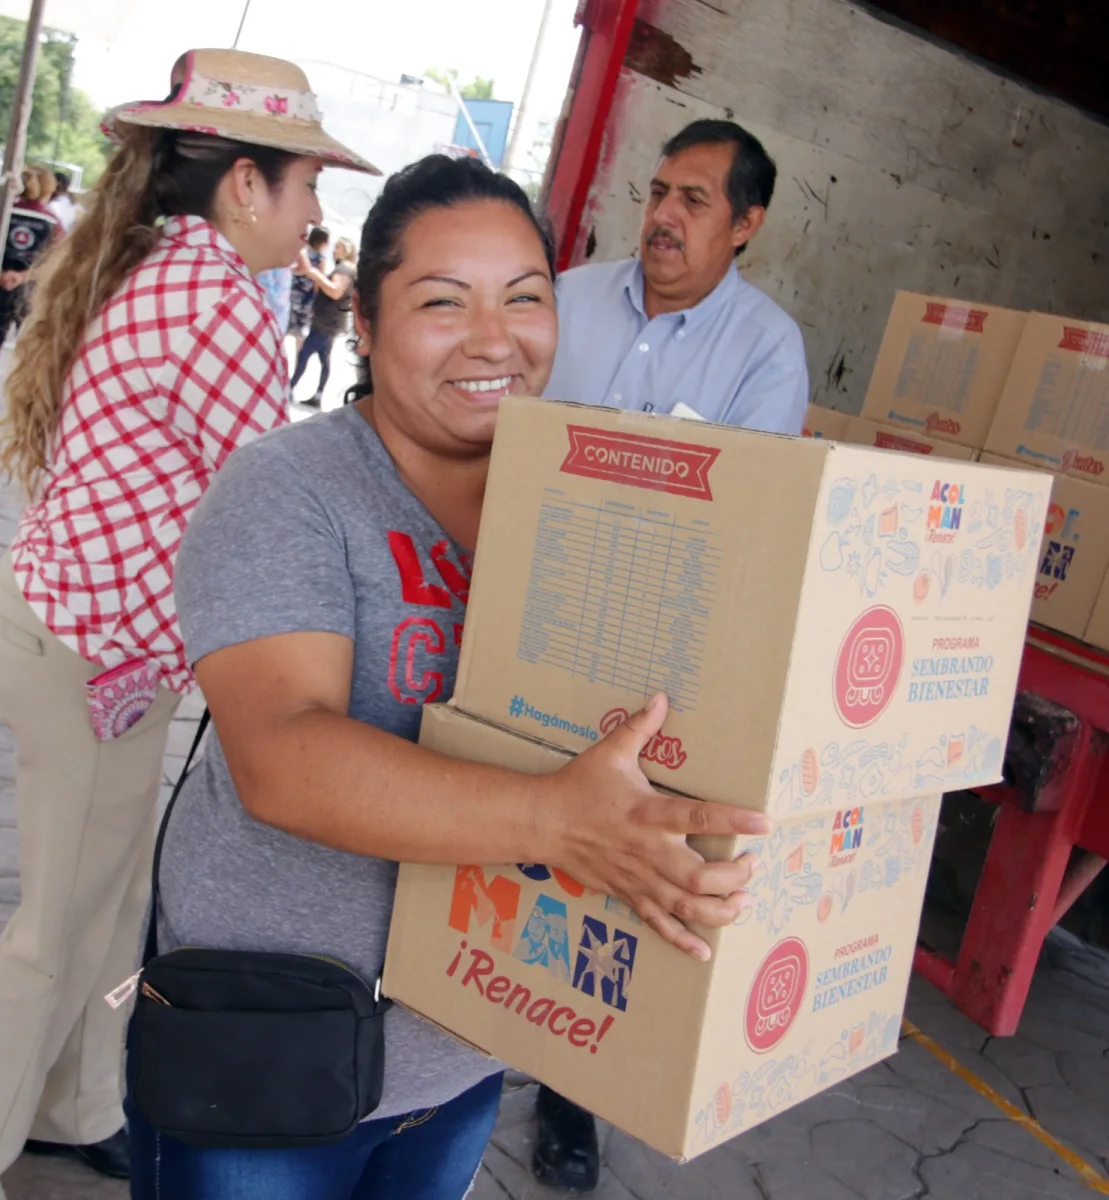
(724,293)
(199,234)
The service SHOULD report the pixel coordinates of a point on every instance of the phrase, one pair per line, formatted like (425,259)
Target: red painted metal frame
(1025,886)
(606,30)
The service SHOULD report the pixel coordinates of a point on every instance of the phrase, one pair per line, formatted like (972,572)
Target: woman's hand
(612,831)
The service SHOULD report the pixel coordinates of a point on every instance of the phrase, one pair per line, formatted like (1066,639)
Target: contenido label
(1085,341)
(646,462)
(894,441)
(955,316)
(776,994)
(868,666)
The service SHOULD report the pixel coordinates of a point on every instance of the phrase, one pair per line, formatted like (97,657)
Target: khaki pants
(86,822)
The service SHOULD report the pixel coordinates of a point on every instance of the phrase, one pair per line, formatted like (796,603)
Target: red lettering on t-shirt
(424,634)
(415,589)
(458,581)
(408,686)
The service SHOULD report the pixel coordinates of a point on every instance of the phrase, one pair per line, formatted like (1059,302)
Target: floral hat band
(245,98)
(249,97)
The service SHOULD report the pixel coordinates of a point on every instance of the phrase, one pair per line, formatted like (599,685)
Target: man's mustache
(661,233)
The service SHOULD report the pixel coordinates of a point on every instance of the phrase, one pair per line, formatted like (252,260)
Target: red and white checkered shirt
(181,367)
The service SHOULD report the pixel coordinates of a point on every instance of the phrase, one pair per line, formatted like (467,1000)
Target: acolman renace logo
(868,666)
(945,511)
(645,462)
(847,836)
(776,994)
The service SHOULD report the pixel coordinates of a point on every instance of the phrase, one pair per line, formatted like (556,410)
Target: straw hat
(246,98)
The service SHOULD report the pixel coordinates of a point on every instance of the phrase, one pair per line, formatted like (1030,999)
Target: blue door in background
(492,118)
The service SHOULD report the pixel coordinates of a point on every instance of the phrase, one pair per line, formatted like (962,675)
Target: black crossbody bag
(251,1050)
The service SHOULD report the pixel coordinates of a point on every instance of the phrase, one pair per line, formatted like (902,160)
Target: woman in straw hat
(150,355)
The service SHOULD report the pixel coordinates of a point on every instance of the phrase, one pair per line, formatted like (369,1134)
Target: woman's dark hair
(319,237)
(436,181)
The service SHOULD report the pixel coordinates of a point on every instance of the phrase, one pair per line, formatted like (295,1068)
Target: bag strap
(151,947)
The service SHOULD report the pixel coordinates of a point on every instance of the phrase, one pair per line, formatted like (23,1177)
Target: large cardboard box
(825,423)
(941,367)
(821,615)
(863,432)
(1054,411)
(567,985)
(1074,554)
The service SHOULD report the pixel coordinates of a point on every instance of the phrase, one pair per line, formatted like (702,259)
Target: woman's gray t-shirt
(310,528)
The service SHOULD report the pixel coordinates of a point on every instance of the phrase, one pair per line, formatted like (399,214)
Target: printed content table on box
(621,595)
(938,368)
(1072,402)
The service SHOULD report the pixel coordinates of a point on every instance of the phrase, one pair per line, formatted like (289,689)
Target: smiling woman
(287,835)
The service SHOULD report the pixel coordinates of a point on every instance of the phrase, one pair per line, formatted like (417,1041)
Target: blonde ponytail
(72,283)
(154,173)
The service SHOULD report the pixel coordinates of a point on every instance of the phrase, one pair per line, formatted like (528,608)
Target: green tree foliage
(477,89)
(64,125)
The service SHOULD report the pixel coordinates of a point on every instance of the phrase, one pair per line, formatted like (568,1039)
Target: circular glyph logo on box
(776,994)
(868,666)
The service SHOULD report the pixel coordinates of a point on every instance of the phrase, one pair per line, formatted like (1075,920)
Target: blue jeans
(433,1154)
(319,344)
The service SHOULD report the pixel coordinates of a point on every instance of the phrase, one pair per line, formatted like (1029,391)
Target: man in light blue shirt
(680,324)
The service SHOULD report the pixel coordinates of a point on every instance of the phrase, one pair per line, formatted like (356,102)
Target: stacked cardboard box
(953,378)
(839,631)
(1074,554)
(1054,415)
(937,379)
(942,366)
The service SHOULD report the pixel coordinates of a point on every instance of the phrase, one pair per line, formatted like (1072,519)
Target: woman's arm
(336,286)
(302,765)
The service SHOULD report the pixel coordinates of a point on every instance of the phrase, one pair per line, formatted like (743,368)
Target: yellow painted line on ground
(1091,1177)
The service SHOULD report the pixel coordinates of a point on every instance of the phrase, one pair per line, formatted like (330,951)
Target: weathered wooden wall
(901,164)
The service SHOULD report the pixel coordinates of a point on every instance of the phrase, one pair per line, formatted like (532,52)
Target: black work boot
(566,1151)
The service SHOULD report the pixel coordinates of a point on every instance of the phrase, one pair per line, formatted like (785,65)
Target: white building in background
(391,124)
